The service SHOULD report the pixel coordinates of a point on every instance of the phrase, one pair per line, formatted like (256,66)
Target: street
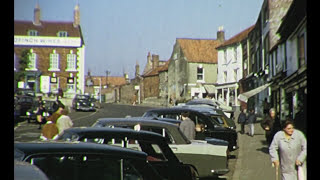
(250,161)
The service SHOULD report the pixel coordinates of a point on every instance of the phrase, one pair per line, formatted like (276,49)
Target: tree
(24,61)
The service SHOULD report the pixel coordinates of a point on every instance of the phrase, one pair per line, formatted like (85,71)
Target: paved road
(29,131)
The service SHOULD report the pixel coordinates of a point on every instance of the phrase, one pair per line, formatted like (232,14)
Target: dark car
(22,103)
(83,102)
(48,106)
(160,156)
(214,113)
(27,171)
(212,127)
(208,159)
(78,160)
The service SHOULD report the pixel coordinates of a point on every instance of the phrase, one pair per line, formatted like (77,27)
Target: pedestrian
(289,150)
(40,110)
(251,120)
(64,121)
(50,129)
(266,107)
(271,124)
(242,119)
(200,132)
(187,126)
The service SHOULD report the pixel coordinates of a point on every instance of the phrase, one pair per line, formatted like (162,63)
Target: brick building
(56,54)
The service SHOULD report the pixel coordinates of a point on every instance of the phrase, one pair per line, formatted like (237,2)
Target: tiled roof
(156,71)
(237,38)
(200,50)
(47,28)
(112,80)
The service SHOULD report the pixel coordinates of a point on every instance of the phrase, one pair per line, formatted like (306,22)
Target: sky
(120,33)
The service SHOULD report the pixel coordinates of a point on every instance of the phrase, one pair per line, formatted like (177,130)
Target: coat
(242,117)
(64,122)
(49,131)
(188,128)
(252,118)
(288,151)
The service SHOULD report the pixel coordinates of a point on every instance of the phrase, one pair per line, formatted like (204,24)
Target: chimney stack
(76,16)
(220,34)
(36,15)
(137,69)
(155,59)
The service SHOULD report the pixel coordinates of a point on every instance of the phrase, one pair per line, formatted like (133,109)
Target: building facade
(56,54)
(230,68)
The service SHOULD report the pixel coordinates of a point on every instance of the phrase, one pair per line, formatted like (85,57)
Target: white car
(209,160)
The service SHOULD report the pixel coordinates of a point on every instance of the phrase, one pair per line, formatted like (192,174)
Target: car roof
(116,132)
(26,171)
(60,147)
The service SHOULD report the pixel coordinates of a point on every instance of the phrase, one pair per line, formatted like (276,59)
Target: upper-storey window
(200,73)
(54,61)
(62,34)
(71,61)
(32,61)
(33,33)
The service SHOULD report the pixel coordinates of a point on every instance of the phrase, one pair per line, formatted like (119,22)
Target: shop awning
(245,96)
(210,89)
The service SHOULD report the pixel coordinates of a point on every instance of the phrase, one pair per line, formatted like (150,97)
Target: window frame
(54,61)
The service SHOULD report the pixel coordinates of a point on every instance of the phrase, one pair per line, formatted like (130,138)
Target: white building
(230,67)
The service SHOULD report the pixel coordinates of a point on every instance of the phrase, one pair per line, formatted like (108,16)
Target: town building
(56,54)
(230,67)
(193,64)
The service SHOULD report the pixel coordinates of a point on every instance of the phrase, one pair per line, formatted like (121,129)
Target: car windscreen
(84,166)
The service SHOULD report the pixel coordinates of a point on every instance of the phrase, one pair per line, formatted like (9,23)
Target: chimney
(36,15)
(220,34)
(155,61)
(137,70)
(76,16)
(126,77)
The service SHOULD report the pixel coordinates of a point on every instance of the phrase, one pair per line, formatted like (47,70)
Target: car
(212,126)
(83,102)
(160,156)
(79,160)
(209,160)
(27,171)
(22,104)
(224,120)
(48,110)
(214,103)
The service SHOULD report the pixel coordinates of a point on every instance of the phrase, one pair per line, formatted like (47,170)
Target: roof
(199,50)
(28,148)
(47,28)
(237,38)
(112,80)
(157,70)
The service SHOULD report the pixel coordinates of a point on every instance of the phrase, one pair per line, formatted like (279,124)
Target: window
(225,56)
(54,61)
(235,73)
(225,76)
(62,34)
(71,62)
(33,33)
(32,61)
(235,54)
(200,73)
(301,50)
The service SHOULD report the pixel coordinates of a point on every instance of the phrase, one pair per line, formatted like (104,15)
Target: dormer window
(62,34)
(33,33)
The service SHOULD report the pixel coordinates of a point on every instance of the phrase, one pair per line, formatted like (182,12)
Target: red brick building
(57,54)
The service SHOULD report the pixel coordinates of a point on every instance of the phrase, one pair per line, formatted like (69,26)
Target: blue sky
(119,33)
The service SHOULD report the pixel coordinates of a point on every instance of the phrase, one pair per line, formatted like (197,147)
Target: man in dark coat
(271,124)
(242,119)
(251,120)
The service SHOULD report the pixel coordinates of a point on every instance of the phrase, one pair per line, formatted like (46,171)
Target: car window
(90,166)
(218,119)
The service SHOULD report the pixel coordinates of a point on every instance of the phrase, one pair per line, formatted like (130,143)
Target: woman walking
(290,146)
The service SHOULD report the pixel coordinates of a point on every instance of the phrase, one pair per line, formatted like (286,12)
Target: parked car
(83,102)
(214,103)
(78,160)
(160,156)
(48,110)
(22,104)
(218,114)
(212,127)
(209,160)
(27,171)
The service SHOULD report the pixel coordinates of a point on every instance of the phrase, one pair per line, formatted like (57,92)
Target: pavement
(253,161)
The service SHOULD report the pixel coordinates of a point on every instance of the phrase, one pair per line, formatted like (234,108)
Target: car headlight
(92,104)
(78,104)
(28,113)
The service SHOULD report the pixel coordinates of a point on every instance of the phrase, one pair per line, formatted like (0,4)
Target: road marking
(85,116)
